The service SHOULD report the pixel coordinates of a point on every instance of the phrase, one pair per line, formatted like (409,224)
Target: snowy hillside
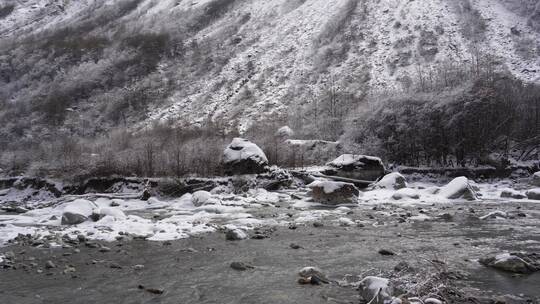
(236,61)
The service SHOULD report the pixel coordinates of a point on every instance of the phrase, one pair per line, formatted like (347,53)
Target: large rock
(511,193)
(333,193)
(459,188)
(77,212)
(535,179)
(392,180)
(356,166)
(244,157)
(406,193)
(511,262)
(533,194)
(376,290)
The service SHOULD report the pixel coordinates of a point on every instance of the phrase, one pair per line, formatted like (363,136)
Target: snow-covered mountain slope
(236,61)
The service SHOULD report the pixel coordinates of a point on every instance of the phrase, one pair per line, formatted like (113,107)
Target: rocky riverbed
(427,249)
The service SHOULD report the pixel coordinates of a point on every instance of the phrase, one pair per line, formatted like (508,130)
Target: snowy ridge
(283,52)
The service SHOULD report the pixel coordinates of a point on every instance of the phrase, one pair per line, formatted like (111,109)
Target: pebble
(386,252)
(241,266)
(49,265)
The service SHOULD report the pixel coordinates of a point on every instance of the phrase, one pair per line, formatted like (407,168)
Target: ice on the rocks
(459,188)
(533,194)
(535,179)
(392,180)
(78,211)
(406,193)
(241,149)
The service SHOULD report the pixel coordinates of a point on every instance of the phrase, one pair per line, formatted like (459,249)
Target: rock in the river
(200,198)
(533,194)
(360,167)
(50,265)
(392,180)
(116,213)
(333,193)
(459,188)
(511,262)
(244,157)
(241,266)
(77,212)
(406,193)
(313,274)
(535,179)
(236,234)
(495,215)
(511,193)
(376,290)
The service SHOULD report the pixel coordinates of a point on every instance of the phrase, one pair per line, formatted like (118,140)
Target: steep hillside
(87,66)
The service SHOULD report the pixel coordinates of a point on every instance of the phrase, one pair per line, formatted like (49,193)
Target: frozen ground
(160,219)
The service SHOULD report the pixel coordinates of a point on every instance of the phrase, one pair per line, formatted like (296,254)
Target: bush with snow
(459,188)
(285,132)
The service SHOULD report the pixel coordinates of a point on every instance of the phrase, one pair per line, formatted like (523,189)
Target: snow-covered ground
(188,215)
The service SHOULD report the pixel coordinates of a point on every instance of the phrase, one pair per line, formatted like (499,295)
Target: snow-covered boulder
(406,193)
(285,132)
(200,198)
(333,193)
(244,157)
(236,234)
(511,193)
(113,212)
(356,166)
(392,180)
(535,179)
(376,290)
(459,188)
(533,194)
(511,262)
(77,212)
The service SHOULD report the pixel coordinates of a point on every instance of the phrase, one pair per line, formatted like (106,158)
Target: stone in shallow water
(376,290)
(511,193)
(511,262)
(333,193)
(392,180)
(533,194)
(235,234)
(355,166)
(459,188)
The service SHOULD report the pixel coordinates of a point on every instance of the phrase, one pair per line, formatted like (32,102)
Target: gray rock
(535,179)
(333,193)
(244,157)
(50,265)
(241,266)
(360,167)
(511,262)
(376,290)
(533,194)
(511,193)
(235,235)
(69,218)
